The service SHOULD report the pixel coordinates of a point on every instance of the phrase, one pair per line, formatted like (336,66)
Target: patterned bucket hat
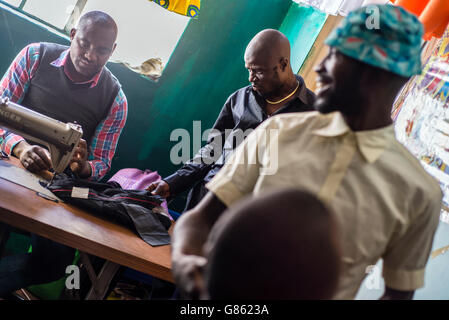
(384,36)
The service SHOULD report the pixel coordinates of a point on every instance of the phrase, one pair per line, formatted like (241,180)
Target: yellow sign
(188,8)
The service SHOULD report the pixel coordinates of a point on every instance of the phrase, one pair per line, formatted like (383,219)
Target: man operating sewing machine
(70,84)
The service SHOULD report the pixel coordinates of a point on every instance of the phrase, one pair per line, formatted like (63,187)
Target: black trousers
(46,263)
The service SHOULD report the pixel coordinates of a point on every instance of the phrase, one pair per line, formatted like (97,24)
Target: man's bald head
(278,245)
(267,58)
(269,44)
(93,42)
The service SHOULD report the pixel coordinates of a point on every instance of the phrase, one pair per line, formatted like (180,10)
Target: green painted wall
(302,26)
(205,68)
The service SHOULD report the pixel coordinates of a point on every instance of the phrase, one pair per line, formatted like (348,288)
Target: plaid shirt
(14,85)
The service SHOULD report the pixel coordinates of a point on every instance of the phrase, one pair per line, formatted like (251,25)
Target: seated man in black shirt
(274,89)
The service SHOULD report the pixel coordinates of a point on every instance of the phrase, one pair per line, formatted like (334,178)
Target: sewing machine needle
(51,180)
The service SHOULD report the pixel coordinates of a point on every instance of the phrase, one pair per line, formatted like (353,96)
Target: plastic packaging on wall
(422,122)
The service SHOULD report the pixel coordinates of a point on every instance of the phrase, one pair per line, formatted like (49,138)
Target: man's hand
(79,163)
(190,233)
(188,274)
(160,188)
(33,158)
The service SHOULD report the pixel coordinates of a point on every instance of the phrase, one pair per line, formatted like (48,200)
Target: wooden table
(22,208)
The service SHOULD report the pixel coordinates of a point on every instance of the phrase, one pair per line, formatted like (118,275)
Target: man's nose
(251,77)
(319,68)
(90,55)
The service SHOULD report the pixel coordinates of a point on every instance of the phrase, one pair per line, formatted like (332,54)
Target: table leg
(100,282)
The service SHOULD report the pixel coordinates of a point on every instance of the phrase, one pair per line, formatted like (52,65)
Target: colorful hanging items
(433,14)
(189,8)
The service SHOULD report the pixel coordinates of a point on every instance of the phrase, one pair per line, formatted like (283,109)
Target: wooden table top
(22,208)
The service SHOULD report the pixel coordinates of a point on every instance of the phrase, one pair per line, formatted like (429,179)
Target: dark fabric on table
(133,209)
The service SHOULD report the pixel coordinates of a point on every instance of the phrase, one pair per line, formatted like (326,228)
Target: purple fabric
(136,179)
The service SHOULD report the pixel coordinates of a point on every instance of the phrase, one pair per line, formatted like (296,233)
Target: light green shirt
(386,204)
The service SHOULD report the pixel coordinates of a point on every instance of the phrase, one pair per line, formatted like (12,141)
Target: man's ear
(113,48)
(283,62)
(72,34)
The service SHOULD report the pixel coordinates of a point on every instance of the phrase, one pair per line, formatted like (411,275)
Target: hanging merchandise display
(435,18)
(414,6)
(339,7)
(433,14)
(421,116)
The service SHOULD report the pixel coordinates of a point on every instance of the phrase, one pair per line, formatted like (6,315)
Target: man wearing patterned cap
(386,205)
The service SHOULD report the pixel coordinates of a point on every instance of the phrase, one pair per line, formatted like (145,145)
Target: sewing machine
(60,138)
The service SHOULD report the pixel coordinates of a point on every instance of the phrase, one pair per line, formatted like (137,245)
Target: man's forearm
(186,177)
(98,169)
(18,148)
(189,237)
(193,227)
(190,234)
(9,142)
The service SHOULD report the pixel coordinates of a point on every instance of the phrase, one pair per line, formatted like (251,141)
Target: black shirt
(244,109)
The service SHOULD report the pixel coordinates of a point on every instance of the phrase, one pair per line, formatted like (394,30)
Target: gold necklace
(276,102)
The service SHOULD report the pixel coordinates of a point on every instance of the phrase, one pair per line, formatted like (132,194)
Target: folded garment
(137,210)
(136,179)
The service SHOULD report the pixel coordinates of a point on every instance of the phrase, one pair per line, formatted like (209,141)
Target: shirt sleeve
(106,137)
(198,167)
(405,260)
(14,85)
(240,174)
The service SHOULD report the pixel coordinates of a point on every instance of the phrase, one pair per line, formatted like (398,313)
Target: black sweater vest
(54,95)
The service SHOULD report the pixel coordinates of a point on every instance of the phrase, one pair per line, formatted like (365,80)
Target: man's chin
(86,72)
(259,91)
(323,106)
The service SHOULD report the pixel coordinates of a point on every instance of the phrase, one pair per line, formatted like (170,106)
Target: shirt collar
(62,61)
(303,91)
(371,143)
